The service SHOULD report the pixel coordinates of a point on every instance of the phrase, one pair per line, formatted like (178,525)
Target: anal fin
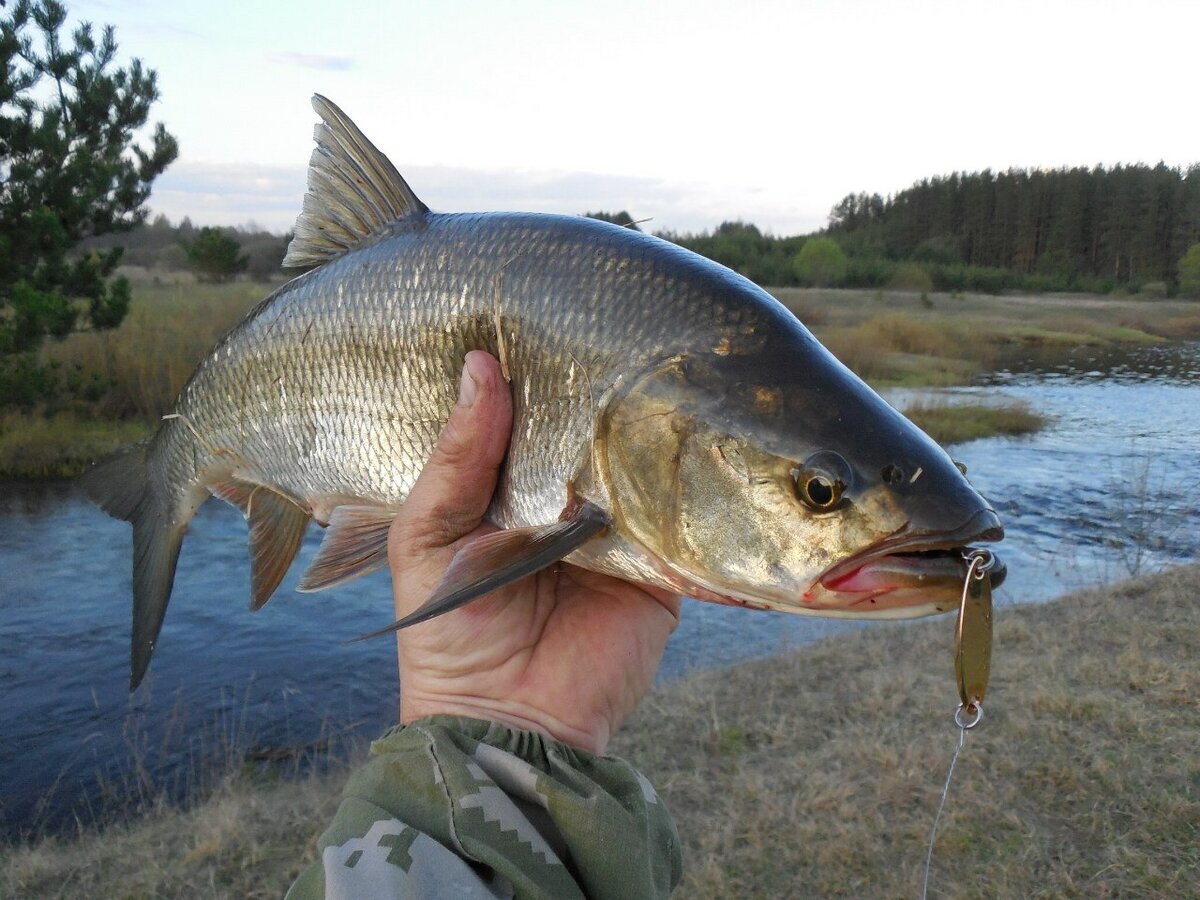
(355,543)
(277,525)
(500,558)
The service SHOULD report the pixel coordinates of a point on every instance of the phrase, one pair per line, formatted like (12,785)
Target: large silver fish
(674,424)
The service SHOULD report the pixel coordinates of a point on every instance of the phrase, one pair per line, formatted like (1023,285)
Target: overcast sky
(687,113)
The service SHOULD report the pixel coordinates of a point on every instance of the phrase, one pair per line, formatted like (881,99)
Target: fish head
(778,479)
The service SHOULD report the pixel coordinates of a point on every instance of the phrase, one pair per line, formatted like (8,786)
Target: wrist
(515,715)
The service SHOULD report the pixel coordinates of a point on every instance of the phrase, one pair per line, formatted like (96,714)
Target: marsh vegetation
(116,384)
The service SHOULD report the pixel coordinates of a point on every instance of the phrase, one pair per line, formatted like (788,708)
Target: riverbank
(959,423)
(817,773)
(905,339)
(127,379)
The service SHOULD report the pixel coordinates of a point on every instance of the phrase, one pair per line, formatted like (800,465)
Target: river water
(1106,490)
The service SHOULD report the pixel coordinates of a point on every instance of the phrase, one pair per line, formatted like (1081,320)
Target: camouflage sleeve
(463,808)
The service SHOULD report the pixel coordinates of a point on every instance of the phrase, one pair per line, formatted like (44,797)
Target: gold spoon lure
(973,637)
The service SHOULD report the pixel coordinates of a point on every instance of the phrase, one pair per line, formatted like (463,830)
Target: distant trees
(159,246)
(68,169)
(1068,227)
(1129,227)
(821,262)
(624,219)
(214,255)
(741,246)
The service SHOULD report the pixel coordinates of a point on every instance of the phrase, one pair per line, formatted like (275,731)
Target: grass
(244,841)
(1082,780)
(172,325)
(894,338)
(817,774)
(890,338)
(132,375)
(955,424)
(61,446)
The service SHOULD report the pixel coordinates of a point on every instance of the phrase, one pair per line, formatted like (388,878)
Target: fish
(673,424)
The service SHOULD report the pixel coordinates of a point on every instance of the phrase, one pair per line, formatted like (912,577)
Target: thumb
(456,485)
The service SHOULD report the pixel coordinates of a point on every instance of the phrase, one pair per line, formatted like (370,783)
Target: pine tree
(215,256)
(69,169)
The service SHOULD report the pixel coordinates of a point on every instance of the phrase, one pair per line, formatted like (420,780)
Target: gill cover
(697,476)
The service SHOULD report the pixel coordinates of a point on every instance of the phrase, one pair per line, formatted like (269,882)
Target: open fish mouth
(907,571)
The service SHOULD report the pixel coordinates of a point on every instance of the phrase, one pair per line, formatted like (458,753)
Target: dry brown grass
(171,326)
(887,337)
(894,338)
(244,841)
(135,373)
(817,774)
(1184,326)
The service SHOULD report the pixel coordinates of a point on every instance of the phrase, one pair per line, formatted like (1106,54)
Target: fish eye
(821,481)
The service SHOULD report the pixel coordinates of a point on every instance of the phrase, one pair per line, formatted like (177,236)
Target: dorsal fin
(353,192)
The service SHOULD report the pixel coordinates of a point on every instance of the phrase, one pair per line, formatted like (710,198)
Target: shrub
(868,272)
(821,262)
(214,255)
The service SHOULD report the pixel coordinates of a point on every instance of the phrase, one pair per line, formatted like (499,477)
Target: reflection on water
(1106,490)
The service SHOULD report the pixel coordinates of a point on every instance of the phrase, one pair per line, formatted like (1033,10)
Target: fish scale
(369,411)
(673,424)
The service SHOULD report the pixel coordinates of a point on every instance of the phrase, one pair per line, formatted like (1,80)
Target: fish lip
(984,526)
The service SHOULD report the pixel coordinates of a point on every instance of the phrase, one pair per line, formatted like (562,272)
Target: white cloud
(226,194)
(320,61)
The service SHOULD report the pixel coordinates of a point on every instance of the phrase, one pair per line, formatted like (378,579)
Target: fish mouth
(923,573)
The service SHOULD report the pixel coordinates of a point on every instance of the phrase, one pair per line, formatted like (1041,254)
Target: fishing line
(964,725)
(972,664)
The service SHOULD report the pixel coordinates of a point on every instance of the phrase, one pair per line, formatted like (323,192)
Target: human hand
(565,652)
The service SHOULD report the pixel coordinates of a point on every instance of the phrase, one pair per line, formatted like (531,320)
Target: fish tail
(124,486)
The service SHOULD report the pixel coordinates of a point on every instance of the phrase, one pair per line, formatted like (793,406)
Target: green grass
(955,424)
(817,773)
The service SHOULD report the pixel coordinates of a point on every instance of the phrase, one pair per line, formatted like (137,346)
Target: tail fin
(122,486)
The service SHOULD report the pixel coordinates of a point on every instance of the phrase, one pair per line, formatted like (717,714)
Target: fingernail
(467,388)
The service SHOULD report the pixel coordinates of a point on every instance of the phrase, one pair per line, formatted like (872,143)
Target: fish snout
(984,526)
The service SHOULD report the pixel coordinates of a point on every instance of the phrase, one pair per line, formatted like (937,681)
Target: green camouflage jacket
(462,808)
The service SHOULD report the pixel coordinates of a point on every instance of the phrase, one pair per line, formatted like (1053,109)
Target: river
(1106,490)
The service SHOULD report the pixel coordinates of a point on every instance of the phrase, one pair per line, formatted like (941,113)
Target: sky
(685,114)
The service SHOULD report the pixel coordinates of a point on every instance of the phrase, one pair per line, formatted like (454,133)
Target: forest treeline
(160,245)
(1126,223)
(1097,230)
(1076,229)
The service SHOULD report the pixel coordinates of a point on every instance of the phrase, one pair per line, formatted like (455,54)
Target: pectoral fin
(497,559)
(355,543)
